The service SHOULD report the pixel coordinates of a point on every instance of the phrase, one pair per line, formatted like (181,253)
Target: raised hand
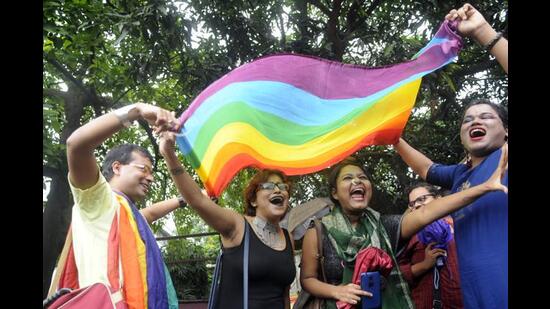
(471,20)
(159,118)
(167,143)
(495,181)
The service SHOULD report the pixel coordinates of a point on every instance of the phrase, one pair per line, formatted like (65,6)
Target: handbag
(216,277)
(95,296)
(305,300)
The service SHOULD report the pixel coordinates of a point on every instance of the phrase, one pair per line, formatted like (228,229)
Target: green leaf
(449,81)
(66,43)
(48,45)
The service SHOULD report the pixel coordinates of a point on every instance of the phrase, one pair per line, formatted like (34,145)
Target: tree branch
(65,72)
(332,30)
(320,6)
(352,26)
(50,171)
(353,12)
(54,93)
(143,123)
(476,68)
(282,27)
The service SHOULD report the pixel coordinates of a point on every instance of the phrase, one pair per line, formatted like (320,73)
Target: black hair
(123,154)
(335,171)
(431,188)
(502,112)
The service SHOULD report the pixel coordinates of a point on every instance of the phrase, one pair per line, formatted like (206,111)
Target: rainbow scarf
(147,282)
(300,114)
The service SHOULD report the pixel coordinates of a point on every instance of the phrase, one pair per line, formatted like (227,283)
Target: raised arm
(414,158)
(227,222)
(414,221)
(474,25)
(160,209)
(83,170)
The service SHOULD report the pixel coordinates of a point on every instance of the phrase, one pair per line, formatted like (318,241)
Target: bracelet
(182,202)
(123,114)
(176,171)
(492,43)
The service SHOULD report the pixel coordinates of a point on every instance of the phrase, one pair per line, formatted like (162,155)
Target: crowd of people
(466,270)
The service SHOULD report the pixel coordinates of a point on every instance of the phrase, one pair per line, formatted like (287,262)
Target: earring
(254,205)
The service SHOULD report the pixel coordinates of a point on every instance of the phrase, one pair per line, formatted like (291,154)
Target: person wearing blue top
(481,228)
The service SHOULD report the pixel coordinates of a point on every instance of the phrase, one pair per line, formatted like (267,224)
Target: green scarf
(348,241)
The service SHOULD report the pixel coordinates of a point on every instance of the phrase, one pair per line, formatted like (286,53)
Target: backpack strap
(61,262)
(320,256)
(245,265)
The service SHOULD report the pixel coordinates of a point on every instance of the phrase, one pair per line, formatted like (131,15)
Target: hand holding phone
(370,282)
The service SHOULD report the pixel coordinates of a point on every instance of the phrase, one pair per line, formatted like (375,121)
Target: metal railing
(188,261)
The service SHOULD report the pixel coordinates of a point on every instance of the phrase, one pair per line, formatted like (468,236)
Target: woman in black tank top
(271,267)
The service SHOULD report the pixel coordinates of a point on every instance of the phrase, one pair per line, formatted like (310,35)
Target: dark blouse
(270,272)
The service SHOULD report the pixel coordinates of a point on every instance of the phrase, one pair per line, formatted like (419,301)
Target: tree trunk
(55,223)
(57,213)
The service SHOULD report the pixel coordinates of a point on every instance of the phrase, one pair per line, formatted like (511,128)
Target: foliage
(102,54)
(187,264)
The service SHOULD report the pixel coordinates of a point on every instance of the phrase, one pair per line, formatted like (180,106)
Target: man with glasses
(107,228)
(417,261)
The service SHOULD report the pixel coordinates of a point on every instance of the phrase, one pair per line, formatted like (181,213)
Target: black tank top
(270,272)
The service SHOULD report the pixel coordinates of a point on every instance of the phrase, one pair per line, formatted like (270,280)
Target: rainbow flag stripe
(300,114)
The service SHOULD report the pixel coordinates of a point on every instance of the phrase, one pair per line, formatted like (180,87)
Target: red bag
(95,296)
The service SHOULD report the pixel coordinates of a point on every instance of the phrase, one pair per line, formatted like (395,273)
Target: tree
(99,55)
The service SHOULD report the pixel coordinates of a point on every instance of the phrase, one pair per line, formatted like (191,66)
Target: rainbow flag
(147,282)
(301,114)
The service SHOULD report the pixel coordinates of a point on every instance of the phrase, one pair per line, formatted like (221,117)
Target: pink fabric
(95,296)
(368,259)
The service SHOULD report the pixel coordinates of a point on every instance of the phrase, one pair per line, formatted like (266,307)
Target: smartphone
(370,282)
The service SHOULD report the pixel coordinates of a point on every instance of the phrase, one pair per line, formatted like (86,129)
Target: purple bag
(440,232)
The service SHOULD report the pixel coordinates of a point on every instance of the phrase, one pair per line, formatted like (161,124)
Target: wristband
(182,202)
(123,114)
(494,41)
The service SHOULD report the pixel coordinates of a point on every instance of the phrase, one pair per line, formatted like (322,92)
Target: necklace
(267,232)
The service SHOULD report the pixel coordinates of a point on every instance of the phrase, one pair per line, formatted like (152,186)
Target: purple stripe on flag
(340,81)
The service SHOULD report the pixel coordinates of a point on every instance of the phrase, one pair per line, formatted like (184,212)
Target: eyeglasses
(271,186)
(420,200)
(143,168)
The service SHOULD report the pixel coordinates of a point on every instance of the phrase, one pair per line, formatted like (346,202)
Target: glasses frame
(142,167)
(420,200)
(271,186)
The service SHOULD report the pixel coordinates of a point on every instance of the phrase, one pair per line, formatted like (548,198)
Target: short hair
(502,112)
(123,154)
(335,171)
(252,188)
(429,187)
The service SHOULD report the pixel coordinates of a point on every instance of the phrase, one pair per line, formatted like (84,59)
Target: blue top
(481,232)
